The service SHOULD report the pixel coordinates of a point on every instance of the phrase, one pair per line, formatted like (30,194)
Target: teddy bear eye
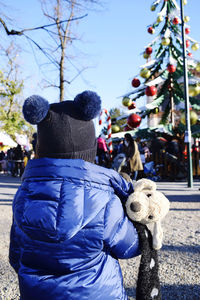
(148,195)
(150,217)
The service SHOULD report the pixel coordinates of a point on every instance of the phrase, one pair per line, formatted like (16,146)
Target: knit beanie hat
(64,129)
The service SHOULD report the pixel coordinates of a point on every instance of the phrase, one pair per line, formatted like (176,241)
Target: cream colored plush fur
(147,205)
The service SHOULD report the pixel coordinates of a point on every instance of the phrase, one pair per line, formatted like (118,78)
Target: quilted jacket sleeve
(120,236)
(14,251)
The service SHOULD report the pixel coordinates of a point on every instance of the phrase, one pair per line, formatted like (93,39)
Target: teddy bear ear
(144,184)
(157,235)
(35,109)
(89,105)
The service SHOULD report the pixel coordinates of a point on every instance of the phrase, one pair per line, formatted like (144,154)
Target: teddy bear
(147,206)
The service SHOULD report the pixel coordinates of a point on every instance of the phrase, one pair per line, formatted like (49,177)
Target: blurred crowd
(154,158)
(14,160)
(161,157)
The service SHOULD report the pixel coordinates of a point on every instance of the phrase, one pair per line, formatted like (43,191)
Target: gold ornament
(153,8)
(126,101)
(159,19)
(191,91)
(184,2)
(194,90)
(195,47)
(156,110)
(165,41)
(145,73)
(193,118)
(115,128)
(186,19)
(198,67)
(145,55)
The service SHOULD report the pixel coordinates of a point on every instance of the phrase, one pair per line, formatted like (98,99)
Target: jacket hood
(62,196)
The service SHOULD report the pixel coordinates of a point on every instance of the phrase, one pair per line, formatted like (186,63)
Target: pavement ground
(180,255)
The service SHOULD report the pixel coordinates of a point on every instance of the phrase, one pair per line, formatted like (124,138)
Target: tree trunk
(61,85)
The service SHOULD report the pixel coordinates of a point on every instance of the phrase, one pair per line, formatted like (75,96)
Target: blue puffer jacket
(68,231)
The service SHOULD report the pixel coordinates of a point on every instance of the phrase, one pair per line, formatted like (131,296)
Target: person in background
(174,157)
(146,151)
(133,159)
(3,162)
(120,146)
(34,142)
(69,228)
(26,158)
(102,151)
(10,162)
(18,157)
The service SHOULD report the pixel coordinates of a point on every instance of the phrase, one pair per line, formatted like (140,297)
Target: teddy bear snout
(135,206)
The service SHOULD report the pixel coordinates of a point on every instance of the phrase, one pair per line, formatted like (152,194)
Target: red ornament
(187,43)
(127,128)
(171,68)
(187,30)
(132,106)
(134,121)
(135,82)
(148,50)
(175,21)
(151,90)
(190,54)
(151,30)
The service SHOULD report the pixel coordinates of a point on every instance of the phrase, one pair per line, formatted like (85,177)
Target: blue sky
(114,40)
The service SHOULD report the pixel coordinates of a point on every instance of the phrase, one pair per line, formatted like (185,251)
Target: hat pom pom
(35,109)
(89,105)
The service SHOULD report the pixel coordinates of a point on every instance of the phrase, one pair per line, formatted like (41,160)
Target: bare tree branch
(57,49)
(21,32)
(42,50)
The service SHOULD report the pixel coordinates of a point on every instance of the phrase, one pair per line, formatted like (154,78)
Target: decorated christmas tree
(161,78)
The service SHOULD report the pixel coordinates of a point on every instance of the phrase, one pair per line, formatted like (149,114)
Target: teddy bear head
(147,205)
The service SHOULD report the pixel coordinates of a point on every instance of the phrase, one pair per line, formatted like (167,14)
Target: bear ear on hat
(35,109)
(88,104)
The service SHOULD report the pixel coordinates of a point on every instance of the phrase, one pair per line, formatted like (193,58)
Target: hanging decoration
(135,82)
(151,30)
(134,121)
(149,50)
(165,41)
(194,90)
(153,8)
(145,73)
(151,90)
(193,118)
(146,56)
(159,19)
(127,128)
(115,128)
(132,106)
(171,68)
(187,43)
(126,101)
(187,30)
(186,19)
(156,110)
(195,47)
(198,67)
(176,21)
